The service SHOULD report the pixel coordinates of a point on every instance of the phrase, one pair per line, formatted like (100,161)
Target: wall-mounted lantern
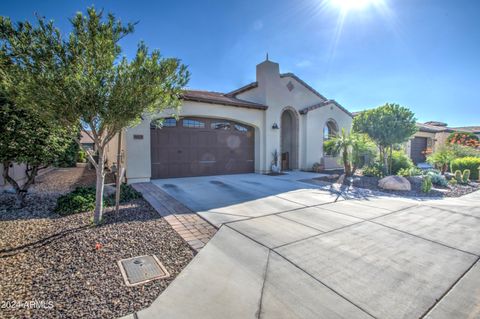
(275,126)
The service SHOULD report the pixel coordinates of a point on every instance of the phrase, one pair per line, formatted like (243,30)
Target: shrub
(412,171)
(82,199)
(463,138)
(81,156)
(127,194)
(375,169)
(400,160)
(470,163)
(437,178)
(452,182)
(426,184)
(464,151)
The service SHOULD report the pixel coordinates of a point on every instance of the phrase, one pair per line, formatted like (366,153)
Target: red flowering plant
(464,138)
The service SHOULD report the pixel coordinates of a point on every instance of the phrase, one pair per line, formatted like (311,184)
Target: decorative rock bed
(71,266)
(371,183)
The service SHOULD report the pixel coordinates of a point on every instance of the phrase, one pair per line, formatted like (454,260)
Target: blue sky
(424,54)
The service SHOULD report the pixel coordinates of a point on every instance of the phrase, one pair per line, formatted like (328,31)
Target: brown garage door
(201,146)
(418,147)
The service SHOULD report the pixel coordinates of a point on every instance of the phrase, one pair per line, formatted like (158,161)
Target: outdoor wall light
(275,126)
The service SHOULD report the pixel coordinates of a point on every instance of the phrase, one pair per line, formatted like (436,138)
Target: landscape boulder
(395,183)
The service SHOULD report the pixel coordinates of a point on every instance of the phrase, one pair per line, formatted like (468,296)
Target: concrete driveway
(286,249)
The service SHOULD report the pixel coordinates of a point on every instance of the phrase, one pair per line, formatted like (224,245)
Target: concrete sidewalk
(297,252)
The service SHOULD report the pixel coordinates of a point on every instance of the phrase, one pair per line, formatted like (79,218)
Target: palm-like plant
(342,144)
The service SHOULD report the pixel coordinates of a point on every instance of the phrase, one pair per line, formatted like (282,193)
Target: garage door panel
(189,151)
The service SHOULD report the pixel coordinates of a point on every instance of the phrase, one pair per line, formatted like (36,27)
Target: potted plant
(275,168)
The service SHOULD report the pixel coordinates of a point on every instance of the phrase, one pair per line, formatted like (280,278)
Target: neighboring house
(432,135)
(237,132)
(471,129)
(86,141)
(429,137)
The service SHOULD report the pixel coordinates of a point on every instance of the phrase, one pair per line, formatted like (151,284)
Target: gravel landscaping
(72,266)
(371,183)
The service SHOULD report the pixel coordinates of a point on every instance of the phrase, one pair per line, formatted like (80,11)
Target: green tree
(27,139)
(85,79)
(387,126)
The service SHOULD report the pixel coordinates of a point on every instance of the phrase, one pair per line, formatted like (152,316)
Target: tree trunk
(444,168)
(119,172)
(20,191)
(384,155)
(346,164)
(390,160)
(97,217)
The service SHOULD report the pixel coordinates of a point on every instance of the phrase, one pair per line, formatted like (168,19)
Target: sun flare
(347,5)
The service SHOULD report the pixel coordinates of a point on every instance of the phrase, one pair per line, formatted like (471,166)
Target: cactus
(466,176)
(426,184)
(459,176)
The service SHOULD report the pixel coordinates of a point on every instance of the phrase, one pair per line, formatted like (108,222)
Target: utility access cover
(142,269)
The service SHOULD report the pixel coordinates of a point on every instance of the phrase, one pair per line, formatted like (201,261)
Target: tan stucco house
(237,132)
(431,136)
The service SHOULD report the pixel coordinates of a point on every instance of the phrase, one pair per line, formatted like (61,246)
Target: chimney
(267,71)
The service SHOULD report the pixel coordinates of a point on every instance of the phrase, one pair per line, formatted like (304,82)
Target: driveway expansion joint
(420,237)
(450,288)
(265,274)
(300,268)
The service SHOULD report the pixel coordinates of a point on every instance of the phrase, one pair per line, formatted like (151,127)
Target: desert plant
(317,167)
(452,182)
(437,178)
(458,176)
(411,171)
(329,148)
(426,184)
(441,158)
(275,158)
(354,148)
(466,176)
(470,163)
(342,144)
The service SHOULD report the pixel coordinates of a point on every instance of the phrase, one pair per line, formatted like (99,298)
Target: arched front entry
(289,139)
(197,146)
